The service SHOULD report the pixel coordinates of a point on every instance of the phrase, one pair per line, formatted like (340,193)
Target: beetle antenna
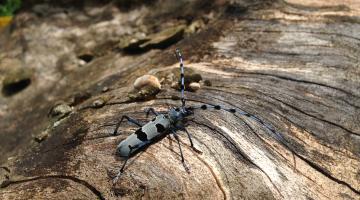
(271,130)
(182,87)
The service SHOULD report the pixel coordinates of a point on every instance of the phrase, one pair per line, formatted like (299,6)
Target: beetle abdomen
(144,135)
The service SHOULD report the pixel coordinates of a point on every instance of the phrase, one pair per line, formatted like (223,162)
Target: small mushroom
(147,80)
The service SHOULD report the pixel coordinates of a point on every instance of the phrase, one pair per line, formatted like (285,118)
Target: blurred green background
(8,7)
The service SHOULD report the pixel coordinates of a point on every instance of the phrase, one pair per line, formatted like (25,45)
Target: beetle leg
(128,157)
(129,119)
(191,142)
(152,110)
(181,153)
(123,166)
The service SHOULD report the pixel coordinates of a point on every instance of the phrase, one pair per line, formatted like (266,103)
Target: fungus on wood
(293,64)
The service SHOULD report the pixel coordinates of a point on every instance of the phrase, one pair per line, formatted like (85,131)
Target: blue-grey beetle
(169,123)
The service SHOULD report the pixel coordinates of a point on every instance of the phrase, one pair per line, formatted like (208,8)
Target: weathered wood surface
(294,64)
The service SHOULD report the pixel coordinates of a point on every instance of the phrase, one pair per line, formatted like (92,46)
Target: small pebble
(79,97)
(195,26)
(175,85)
(170,78)
(105,89)
(82,62)
(42,136)
(57,123)
(207,83)
(147,80)
(194,86)
(60,110)
(98,103)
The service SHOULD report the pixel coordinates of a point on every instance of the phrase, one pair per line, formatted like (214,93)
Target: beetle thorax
(177,115)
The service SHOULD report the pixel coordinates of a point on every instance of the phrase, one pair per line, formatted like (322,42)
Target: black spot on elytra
(217,107)
(182,75)
(160,128)
(232,110)
(153,119)
(141,135)
(177,109)
(203,107)
(181,65)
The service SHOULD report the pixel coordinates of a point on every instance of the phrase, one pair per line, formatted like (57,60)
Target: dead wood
(294,64)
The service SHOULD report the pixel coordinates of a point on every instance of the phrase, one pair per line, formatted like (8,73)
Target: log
(290,69)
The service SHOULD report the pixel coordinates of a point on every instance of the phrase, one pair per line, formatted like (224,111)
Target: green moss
(9,7)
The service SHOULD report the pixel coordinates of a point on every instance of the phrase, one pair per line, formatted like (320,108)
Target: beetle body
(156,128)
(144,135)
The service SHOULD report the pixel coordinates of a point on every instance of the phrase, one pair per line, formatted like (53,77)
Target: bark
(293,64)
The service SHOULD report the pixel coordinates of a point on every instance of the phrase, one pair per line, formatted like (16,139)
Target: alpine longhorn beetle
(169,123)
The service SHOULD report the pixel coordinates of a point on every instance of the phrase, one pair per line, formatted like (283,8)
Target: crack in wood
(321,170)
(242,154)
(300,31)
(317,168)
(302,81)
(5,168)
(313,116)
(66,177)
(313,165)
(305,160)
(293,54)
(327,174)
(217,179)
(292,122)
(217,161)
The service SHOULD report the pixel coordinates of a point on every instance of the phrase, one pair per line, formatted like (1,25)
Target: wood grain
(293,64)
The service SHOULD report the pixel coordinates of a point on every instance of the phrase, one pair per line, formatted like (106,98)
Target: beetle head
(179,113)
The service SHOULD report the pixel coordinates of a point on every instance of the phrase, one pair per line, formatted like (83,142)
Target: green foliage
(9,7)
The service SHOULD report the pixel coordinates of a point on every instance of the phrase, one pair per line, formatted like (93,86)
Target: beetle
(169,123)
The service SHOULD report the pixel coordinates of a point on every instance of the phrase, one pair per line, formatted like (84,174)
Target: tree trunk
(67,72)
